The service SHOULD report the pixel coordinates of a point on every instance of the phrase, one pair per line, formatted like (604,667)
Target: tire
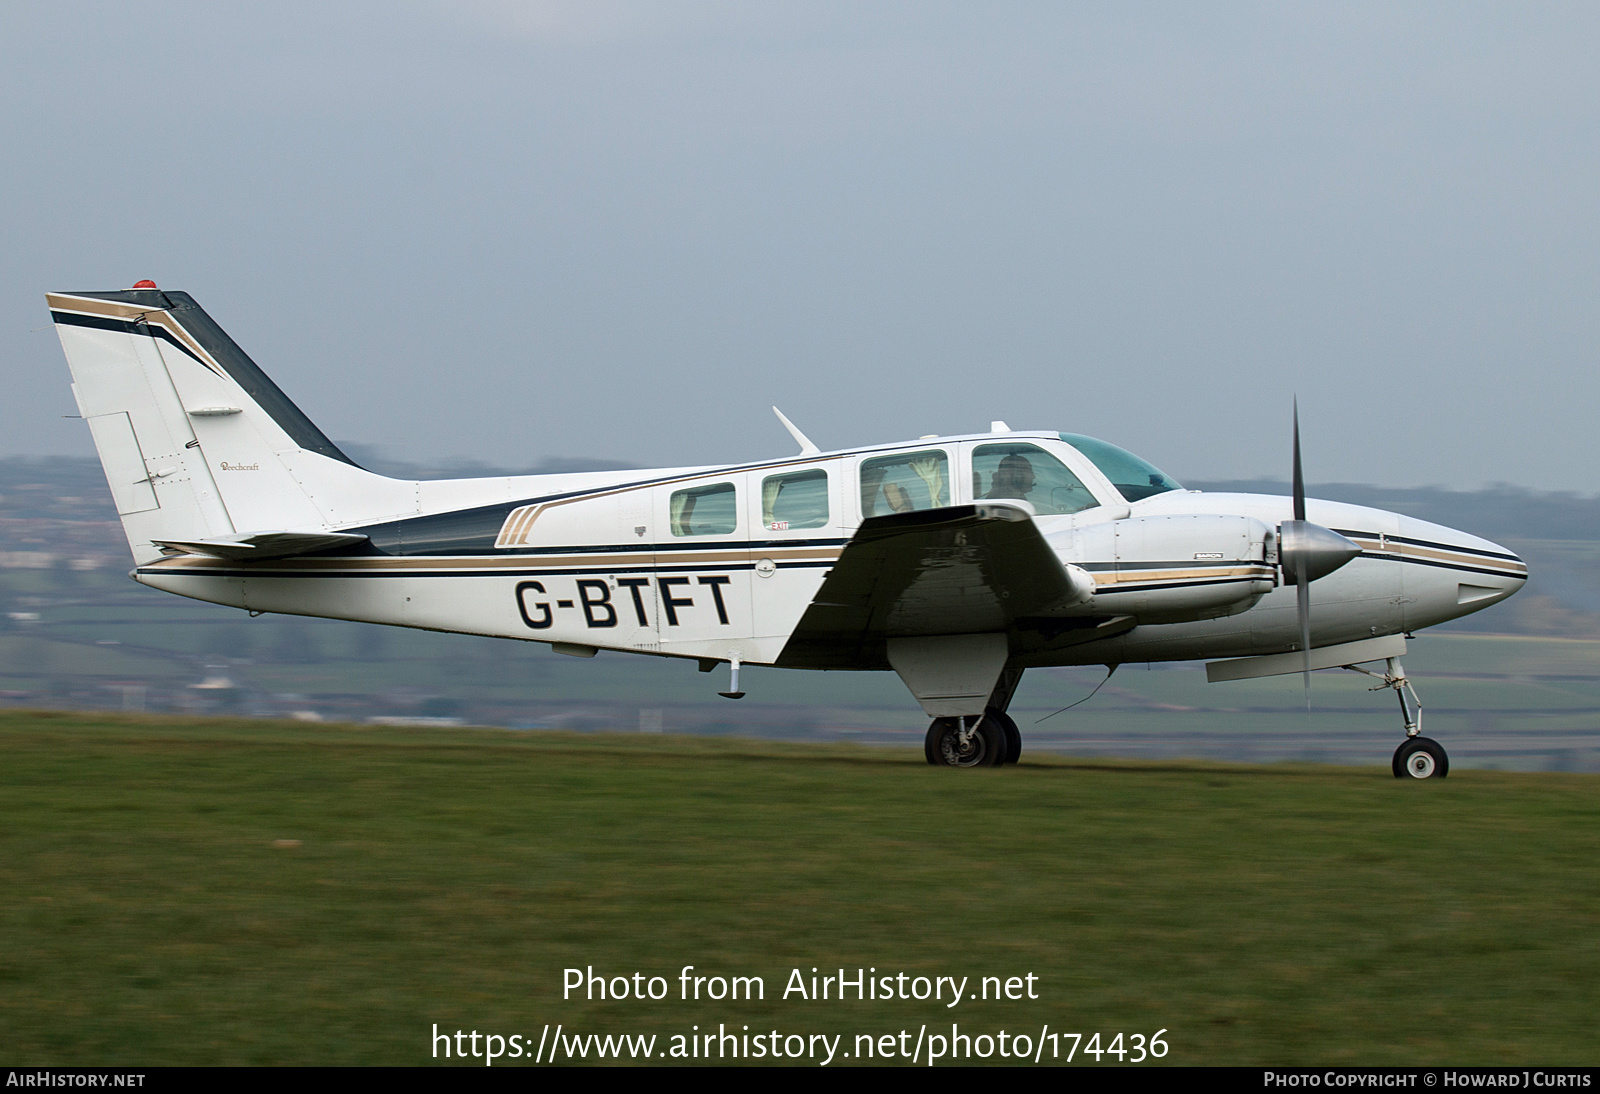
(1421,758)
(986,747)
(1013,735)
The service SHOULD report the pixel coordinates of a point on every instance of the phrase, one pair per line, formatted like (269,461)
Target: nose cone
(1452,573)
(1309,551)
(1493,583)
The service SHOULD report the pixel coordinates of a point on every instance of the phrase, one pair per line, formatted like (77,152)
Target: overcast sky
(508,230)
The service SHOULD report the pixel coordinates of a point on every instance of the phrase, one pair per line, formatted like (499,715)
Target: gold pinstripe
(1455,558)
(513,562)
(110,309)
(1107,577)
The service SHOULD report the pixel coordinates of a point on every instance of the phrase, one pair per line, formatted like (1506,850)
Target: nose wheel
(1421,758)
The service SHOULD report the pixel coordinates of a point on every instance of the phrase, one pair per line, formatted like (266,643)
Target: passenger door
(702,578)
(796,516)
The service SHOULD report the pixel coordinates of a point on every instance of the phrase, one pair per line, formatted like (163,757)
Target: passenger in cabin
(1012,479)
(904,483)
(899,501)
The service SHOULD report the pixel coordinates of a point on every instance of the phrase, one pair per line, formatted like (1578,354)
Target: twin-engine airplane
(958,562)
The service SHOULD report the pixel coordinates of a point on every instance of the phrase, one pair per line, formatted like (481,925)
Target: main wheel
(930,743)
(1013,735)
(1421,758)
(985,745)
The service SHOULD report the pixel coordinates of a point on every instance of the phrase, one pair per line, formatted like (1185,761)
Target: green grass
(1284,914)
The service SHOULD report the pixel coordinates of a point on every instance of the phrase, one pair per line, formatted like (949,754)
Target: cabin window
(1134,479)
(704,511)
(793,501)
(1028,473)
(904,483)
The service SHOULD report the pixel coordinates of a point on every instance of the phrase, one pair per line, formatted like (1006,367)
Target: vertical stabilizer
(195,440)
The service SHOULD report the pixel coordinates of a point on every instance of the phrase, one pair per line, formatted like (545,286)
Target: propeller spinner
(1306,552)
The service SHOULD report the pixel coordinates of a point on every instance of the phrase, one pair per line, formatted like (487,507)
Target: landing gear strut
(989,740)
(970,741)
(1418,757)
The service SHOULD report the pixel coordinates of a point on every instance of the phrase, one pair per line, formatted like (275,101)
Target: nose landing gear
(1417,757)
(1420,758)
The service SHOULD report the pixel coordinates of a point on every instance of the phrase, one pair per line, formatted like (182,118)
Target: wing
(965,569)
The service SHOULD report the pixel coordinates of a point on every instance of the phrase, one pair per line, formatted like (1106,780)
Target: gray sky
(512,230)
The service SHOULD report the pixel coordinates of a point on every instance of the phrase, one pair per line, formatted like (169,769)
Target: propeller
(1306,552)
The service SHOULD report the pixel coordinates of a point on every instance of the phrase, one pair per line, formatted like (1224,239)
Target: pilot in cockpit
(1012,479)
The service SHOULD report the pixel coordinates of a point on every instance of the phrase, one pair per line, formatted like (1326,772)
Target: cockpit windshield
(1134,479)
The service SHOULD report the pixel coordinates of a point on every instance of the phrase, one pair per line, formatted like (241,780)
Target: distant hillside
(74,487)
(52,486)
(1498,513)
(57,512)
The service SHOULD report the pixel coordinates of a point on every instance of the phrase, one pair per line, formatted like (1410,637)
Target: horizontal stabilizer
(1324,657)
(262,545)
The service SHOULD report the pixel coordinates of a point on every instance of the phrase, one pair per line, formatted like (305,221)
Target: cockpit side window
(1134,479)
(704,511)
(904,483)
(1028,473)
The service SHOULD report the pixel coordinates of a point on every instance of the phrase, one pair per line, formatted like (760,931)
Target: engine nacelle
(1174,569)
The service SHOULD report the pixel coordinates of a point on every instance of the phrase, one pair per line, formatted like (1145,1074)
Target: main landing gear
(989,740)
(1417,757)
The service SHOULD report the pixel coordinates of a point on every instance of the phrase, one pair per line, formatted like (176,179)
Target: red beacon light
(146,284)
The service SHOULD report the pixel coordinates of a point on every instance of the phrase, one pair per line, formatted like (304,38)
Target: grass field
(253,892)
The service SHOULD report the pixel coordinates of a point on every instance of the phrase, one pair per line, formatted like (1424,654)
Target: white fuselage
(618,561)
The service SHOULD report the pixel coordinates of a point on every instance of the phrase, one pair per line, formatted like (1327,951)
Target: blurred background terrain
(1517,686)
